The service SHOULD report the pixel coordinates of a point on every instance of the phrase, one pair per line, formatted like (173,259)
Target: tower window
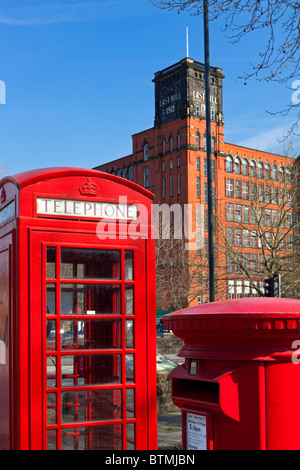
(146,178)
(146,152)
(171,144)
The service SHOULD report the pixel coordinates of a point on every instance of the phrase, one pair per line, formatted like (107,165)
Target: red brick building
(170,160)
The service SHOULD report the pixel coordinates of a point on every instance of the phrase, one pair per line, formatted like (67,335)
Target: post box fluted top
(248,313)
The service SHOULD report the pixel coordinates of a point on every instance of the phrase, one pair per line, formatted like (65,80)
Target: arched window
(252,168)
(178,141)
(237,165)
(260,170)
(274,172)
(229,164)
(130,173)
(164,147)
(146,152)
(288,175)
(245,166)
(267,171)
(171,143)
(198,140)
(281,174)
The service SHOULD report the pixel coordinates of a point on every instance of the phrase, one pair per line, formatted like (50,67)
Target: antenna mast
(187,41)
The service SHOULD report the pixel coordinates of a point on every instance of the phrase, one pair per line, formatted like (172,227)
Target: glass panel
(130,428)
(90,334)
(105,437)
(81,263)
(91,405)
(51,299)
(51,408)
(85,299)
(51,263)
(51,334)
(129,368)
(91,369)
(51,371)
(129,265)
(129,334)
(130,403)
(51,440)
(129,305)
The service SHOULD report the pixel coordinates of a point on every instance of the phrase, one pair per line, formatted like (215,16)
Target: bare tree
(278,60)
(182,276)
(3,170)
(270,227)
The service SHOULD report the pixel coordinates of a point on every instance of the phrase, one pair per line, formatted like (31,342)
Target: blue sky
(78,77)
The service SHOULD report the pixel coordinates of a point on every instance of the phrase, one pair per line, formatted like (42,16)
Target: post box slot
(198,390)
(217,388)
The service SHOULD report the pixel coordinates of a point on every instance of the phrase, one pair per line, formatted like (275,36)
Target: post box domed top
(251,305)
(239,328)
(31,177)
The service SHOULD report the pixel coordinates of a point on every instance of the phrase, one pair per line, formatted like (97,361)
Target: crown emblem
(89,188)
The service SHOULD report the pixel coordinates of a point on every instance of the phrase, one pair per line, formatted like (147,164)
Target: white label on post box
(196,432)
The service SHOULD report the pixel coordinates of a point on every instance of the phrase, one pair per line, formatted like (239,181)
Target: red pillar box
(77,312)
(239,385)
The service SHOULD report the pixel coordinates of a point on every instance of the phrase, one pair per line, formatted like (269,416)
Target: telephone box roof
(30,177)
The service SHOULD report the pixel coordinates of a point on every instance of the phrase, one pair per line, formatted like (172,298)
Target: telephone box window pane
(51,263)
(88,299)
(51,299)
(128,265)
(51,440)
(51,408)
(105,437)
(91,369)
(129,300)
(130,403)
(129,358)
(51,371)
(90,334)
(91,405)
(51,334)
(130,428)
(81,263)
(129,334)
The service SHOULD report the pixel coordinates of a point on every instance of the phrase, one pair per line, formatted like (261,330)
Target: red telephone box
(238,388)
(77,312)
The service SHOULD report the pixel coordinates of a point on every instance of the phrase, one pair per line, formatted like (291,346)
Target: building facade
(250,188)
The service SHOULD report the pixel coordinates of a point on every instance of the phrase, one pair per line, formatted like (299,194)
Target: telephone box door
(87,313)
